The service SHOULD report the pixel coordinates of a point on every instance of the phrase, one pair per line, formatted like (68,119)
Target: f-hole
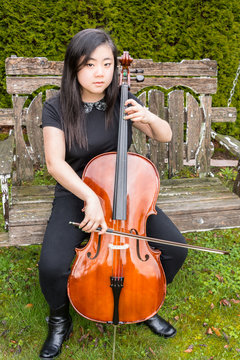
(134,231)
(97,252)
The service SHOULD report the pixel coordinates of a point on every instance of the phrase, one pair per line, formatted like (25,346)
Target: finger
(88,227)
(130,101)
(135,117)
(83,223)
(103,228)
(131,109)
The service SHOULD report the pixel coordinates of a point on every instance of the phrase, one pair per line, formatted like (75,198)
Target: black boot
(160,326)
(59,330)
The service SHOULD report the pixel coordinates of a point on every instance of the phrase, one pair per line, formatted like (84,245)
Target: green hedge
(167,30)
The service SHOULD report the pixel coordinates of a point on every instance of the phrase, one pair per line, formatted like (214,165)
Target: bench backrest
(178,92)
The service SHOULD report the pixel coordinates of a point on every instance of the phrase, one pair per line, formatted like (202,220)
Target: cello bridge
(118,247)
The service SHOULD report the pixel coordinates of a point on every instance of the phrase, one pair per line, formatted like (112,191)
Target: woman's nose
(99,71)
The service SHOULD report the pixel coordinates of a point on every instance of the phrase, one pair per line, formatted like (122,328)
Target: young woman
(79,124)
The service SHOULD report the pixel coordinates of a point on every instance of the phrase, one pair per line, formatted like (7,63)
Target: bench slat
(200,210)
(27,85)
(6,151)
(41,66)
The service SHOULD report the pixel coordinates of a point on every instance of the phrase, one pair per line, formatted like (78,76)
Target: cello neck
(120,184)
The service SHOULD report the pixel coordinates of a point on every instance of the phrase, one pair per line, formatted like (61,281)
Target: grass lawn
(203,303)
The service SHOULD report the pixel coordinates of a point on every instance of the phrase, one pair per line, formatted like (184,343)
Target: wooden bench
(6,160)
(193,204)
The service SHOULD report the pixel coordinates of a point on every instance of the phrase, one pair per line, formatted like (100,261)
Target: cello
(116,279)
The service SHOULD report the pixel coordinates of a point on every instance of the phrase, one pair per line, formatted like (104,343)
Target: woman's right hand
(94,216)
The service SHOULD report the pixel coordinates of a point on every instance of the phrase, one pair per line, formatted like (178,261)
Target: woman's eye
(89,65)
(107,64)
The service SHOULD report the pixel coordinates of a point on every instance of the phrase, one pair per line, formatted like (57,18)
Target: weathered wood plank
(218,114)
(33,193)
(236,186)
(26,235)
(158,151)
(27,85)
(194,120)
(4,239)
(198,85)
(203,153)
(198,212)
(139,144)
(184,68)
(29,214)
(178,190)
(205,220)
(6,151)
(32,66)
(51,92)
(6,161)
(224,114)
(42,66)
(176,122)
(202,204)
(33,123)
(229,142)
(24,165)
(7,117)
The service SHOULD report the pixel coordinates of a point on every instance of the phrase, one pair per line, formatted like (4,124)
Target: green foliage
(228,176)
(41,177)
(203,303)
(169,30)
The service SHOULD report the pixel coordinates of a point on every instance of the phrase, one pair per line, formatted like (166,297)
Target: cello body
(118,279)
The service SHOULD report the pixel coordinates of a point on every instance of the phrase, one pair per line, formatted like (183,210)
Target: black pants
(61,239)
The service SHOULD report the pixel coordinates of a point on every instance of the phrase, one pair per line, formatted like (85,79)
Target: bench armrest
(6,160)
(232,145)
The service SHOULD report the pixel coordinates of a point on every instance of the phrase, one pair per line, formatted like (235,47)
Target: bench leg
(5,198)
(236,186)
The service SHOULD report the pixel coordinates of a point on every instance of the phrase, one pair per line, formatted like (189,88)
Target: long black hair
(81,47)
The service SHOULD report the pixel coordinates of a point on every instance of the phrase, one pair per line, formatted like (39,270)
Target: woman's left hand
(137,112)
(149,123)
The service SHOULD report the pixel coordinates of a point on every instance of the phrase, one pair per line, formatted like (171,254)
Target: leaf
(220,278)
(18,349)
(151,350)
(189,349)
(226,337)
(83,337)
(212,306)
(100,328)
(209,331)
(225,302)
(28,306)
(175,307)
(216,330)
(235,301)
(176,318)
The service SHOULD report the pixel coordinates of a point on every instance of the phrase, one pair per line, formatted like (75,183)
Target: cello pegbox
(125,61)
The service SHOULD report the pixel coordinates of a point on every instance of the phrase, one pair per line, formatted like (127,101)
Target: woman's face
(96,75)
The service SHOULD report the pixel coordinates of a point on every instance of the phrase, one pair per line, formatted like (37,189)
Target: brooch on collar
(99,105)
